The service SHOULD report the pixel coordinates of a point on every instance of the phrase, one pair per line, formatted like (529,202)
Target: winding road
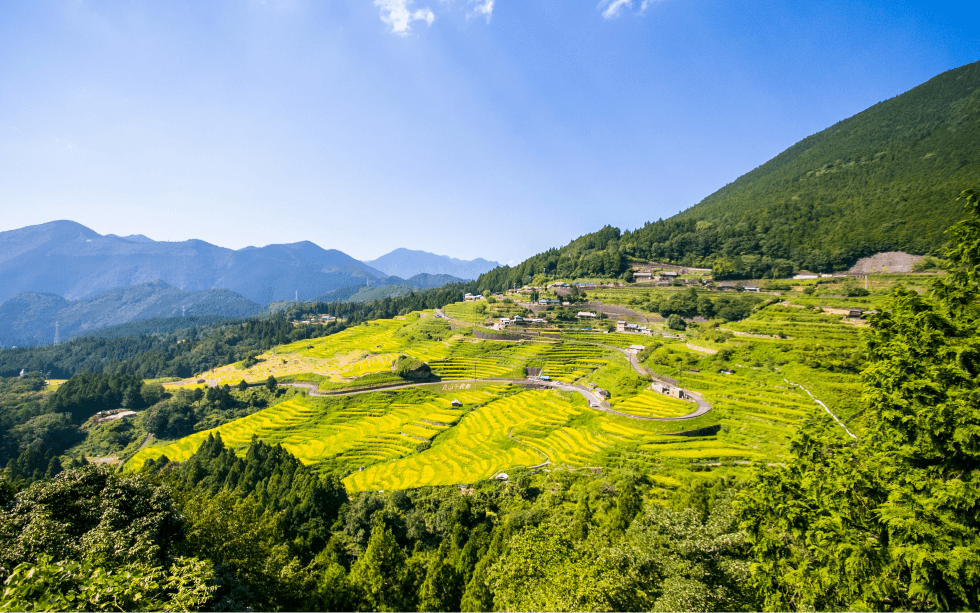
(595,400)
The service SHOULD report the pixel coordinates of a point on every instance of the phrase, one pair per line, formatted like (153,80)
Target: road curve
(594,400)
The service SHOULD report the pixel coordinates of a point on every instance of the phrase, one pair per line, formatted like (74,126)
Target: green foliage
(88,586)
(380,573)
(674,322)
(891,521)
(90,513)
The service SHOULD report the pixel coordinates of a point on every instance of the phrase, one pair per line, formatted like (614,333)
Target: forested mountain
(408,263)
(67,259)
(29,318)
(164,348)
(882,180)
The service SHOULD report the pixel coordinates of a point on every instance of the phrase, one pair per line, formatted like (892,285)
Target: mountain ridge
(407,263)
(29,317)
(885,179)
(68,259)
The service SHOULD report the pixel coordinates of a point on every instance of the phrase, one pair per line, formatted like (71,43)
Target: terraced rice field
(375,438)
(649,403)
(364,429)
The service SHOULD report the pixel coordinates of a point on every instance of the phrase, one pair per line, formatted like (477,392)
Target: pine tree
(379,572)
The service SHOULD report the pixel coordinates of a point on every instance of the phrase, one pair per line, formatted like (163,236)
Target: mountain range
(29,318)
(65,272)
(70,260)
(407,263)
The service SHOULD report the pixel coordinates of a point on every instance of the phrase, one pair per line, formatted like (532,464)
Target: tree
(893,519)
(443,585)
(675,322)
(242,385)
(68,585)
(271,383)
(582,519)
(380,571)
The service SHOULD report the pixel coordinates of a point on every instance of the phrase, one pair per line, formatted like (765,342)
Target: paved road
(594,400)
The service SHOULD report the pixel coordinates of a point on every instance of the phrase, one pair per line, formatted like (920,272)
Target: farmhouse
(456,403)
(855,313)
(586,315)
(635,349)
(667,390)
(643,277)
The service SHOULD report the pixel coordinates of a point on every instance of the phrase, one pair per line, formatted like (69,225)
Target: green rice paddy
(412,437)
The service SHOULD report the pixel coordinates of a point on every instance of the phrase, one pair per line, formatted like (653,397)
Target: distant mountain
(29,317)
(883,180)
(67,259)
(393,287)
(407,263)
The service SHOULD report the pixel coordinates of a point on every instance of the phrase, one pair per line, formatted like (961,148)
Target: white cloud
(483,7)
(399,14)
(613,7)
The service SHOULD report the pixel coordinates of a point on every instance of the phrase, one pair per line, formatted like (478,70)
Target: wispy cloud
(399,14)
(483,7)
(614,7)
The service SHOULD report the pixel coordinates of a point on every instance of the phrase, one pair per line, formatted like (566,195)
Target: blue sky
(473,128)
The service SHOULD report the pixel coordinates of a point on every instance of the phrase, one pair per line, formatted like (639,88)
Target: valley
(380,431)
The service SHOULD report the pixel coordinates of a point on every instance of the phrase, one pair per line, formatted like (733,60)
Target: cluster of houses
(320,319)
(517,319)
(668,390)
(623,327)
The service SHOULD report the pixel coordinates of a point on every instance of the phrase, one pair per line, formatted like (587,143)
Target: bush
(674,322)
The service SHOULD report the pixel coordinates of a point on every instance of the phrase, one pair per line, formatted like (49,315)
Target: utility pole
(57,334)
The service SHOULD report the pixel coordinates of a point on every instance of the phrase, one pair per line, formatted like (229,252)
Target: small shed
(456,403)
(855,313)
(502,477)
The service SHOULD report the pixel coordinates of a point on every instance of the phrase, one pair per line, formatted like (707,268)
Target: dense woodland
(887,521)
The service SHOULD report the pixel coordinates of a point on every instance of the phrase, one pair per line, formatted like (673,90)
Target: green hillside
(885,179)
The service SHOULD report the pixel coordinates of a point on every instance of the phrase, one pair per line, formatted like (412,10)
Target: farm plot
(520,430)
(361,350)
(363,429)
(570,361)
(759,413)
(649,403)
(613,339)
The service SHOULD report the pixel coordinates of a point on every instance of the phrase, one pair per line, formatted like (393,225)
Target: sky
(472,128)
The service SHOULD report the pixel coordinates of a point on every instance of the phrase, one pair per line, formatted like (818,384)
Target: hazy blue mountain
(67,259)
(29,317)
(406,263)
(388,287)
